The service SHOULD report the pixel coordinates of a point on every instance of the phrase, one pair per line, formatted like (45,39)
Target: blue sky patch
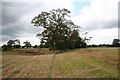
(78,6)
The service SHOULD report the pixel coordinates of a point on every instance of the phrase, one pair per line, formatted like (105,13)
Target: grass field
(79,63)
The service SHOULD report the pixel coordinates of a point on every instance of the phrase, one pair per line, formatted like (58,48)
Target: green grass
(84,65)
(80,63)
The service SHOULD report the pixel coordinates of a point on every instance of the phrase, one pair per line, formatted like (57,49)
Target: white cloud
(99,11)
(33,40)
(103,36)
(55,4)
(93,18)
(84,10)
(99,20)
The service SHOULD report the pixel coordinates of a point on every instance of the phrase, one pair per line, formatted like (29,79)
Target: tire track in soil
(52,66)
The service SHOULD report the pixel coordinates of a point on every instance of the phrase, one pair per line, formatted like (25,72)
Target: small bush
(6,47)
(35,46)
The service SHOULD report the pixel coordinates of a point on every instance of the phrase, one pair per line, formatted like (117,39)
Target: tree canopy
(59,32)
(116,42)
(10,43)
(27,44)
(14,43)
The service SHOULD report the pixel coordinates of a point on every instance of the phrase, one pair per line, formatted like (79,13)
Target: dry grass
(86,63)
(91,62)
(26,66)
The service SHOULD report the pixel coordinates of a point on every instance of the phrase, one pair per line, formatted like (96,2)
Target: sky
(97,17)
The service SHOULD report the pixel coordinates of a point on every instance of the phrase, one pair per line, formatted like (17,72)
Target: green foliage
(116,42)
(17,46)
(59,33)
(6,47)
(35,46)
(10,42)
(14,43)
(27,44)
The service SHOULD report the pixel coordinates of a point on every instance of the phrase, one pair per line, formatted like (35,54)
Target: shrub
(5,47)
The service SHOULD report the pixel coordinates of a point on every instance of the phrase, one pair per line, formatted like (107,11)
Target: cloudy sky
(97,17)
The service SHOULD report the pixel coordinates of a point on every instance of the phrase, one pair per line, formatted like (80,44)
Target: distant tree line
(16,44)
(12,44)
(115,43)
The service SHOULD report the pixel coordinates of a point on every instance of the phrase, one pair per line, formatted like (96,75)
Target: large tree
(58,30)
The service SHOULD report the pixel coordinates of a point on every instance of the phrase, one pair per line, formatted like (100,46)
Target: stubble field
(78,63)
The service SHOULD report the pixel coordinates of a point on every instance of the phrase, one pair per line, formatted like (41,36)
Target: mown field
(78,63)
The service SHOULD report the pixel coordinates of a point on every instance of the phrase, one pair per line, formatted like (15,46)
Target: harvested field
(80,63)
